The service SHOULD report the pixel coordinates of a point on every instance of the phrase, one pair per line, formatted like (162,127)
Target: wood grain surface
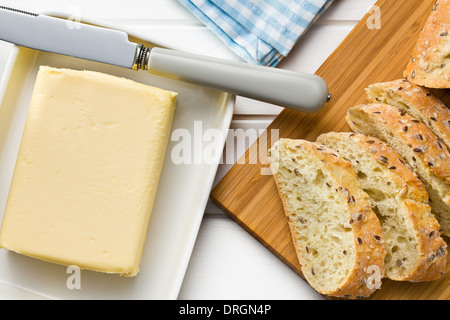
(368,55)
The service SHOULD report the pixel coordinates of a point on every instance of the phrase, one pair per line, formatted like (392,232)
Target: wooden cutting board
(366,56)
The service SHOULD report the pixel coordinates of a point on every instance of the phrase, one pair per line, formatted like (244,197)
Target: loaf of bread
(417,101)
(429,65)
(417,144)
(415,249)
(337,236)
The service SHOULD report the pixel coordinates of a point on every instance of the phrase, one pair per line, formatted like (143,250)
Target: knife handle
(304,92)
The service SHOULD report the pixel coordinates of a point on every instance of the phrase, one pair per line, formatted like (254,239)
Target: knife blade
(300,91)
(50,34)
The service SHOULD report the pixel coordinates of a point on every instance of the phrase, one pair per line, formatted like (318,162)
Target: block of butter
(87,171)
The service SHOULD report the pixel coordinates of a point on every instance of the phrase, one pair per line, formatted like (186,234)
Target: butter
(87,172)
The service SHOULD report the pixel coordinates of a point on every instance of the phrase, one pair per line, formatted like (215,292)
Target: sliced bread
(337,236)
(415,249)
(417,101)
(417,144)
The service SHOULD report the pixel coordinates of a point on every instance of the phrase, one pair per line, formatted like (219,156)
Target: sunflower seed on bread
(337,236)
(417,144)
(415,249)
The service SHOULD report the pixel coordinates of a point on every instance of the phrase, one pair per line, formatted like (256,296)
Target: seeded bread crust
(429,65)
(366,228)
(428,150)
(431,248)
(417,101)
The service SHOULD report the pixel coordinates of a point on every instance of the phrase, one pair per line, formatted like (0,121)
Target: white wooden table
(226,263)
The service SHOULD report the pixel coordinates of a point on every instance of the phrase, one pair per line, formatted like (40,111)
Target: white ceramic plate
(181,199)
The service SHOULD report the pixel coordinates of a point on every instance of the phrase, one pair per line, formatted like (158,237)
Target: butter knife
(300,91)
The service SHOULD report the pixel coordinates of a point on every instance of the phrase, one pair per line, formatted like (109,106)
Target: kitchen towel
(262,32)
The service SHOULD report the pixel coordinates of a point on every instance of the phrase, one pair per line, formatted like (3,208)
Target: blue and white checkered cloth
(260,31)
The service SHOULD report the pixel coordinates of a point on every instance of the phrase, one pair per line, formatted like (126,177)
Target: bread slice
(417,101)
(337,236)
(429,65)
(415,249)
(417,144)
